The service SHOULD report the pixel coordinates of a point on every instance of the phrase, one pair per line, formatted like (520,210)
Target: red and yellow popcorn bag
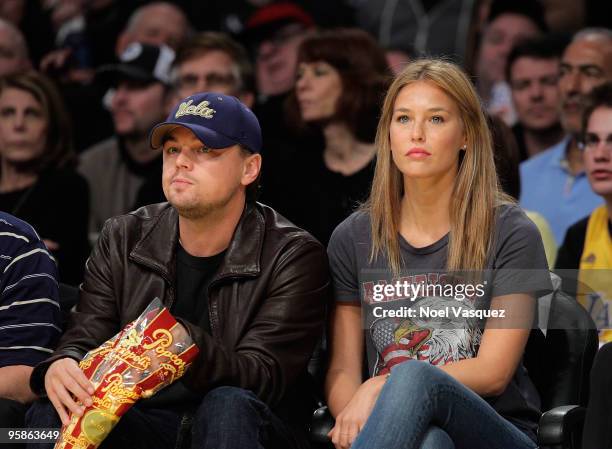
(147,355)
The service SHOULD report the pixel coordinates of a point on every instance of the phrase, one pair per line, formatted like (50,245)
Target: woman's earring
(464,147)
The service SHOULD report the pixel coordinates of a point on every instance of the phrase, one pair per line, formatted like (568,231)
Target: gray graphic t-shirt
(430,315)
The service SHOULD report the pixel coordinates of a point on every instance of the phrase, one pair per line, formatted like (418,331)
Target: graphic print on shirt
(446,337)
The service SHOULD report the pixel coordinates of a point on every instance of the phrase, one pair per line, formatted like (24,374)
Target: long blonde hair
(476,190)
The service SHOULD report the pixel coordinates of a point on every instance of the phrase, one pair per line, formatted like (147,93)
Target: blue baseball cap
(218,120)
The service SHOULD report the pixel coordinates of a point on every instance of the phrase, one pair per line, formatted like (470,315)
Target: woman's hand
(351,420)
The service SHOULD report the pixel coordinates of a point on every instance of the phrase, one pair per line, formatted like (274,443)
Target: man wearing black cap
(118,167)
(249,286)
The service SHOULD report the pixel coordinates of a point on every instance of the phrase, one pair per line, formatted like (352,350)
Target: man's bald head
(586,64)
(155,24)
(13,49)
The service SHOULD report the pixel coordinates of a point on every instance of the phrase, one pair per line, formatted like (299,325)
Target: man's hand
(354,416)
(64,382)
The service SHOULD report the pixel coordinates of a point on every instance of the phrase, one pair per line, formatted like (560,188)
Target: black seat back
(559,363)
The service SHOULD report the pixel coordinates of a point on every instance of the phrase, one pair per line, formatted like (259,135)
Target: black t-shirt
(193,276)
(327,197)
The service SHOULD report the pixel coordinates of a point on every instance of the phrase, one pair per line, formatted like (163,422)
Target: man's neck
(573,155)
(540,140)
(139,149)
(211,234)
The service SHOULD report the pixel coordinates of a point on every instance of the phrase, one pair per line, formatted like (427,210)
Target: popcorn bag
(148,354)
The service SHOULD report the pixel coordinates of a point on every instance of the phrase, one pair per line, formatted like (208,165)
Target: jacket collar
(156,247)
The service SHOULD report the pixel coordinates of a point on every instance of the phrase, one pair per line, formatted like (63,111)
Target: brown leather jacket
(266,302)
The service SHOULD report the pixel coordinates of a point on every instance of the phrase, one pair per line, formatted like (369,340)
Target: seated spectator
(554,182)
(29,314)
(37,178)
(13,49)
(34,23)
(156,23)
(434,209)
(507,24)
(341,77)
(118,167)
(249,286)
(213,62)
(588,243)
(275,32)
(532,72)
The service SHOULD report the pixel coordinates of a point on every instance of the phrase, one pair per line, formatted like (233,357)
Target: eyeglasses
(211,80)
(592,141)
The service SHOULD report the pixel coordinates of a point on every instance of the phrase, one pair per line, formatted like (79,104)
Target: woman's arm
(349,400)
(502,346)
(346,356)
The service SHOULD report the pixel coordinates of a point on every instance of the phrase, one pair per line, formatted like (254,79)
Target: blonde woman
(434,381)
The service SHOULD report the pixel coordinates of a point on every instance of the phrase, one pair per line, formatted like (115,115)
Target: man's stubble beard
(199,211)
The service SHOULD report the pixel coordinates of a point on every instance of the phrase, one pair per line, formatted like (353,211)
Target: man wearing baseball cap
(249,286)
(118,167)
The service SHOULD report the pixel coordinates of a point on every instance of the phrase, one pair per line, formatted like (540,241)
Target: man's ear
(252,167)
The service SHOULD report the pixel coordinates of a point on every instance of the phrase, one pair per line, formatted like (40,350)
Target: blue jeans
(137,429)
(227,418)
(422,407)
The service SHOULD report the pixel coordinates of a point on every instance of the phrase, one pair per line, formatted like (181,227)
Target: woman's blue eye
(402,119)
(437,119)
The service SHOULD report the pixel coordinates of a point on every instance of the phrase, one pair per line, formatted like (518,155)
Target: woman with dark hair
(434,283)
(37,180)
(341,79)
